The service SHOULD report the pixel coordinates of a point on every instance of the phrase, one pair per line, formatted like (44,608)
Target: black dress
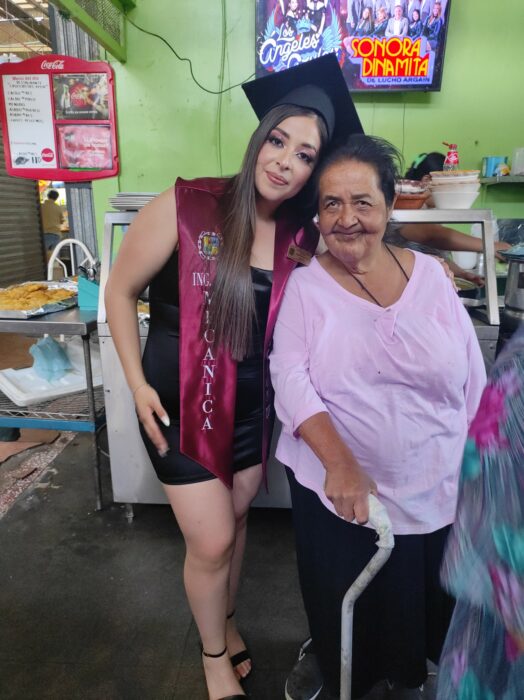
(161,369)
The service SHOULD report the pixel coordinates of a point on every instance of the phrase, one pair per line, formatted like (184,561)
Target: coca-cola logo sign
(52,65)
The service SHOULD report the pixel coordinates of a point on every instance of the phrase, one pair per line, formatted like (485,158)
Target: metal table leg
(92,416)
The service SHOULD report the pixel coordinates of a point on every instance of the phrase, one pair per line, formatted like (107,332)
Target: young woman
(433,26)
(216,254)
(381,22)
(415,25)
(365,24)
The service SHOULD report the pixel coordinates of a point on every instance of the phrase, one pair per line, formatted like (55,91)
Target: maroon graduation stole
(207,374)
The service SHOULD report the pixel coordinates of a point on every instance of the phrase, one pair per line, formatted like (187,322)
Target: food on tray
(31,296)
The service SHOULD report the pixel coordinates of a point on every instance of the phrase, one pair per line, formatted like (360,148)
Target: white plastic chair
(71,242)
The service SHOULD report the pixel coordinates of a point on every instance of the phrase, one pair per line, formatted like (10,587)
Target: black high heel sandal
(241,656)
(217,656)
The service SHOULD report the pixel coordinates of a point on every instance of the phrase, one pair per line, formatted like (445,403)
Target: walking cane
(379,519)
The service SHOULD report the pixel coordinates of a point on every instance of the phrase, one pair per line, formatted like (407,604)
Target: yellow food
(31,296)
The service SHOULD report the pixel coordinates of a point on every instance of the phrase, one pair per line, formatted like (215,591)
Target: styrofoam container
(460,176)
(453,200)
(465,259)
(454,173)
(455,186)
(24,387)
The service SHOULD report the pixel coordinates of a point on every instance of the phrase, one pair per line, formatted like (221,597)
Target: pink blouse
(401,385)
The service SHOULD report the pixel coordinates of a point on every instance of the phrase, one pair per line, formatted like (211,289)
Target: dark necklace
(366,290)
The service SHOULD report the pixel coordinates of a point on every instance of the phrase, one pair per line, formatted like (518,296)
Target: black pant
(400,620)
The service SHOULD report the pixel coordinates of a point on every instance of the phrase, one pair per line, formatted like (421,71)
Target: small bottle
(451,162)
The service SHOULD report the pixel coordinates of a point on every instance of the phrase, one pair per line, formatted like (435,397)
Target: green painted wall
(169,127)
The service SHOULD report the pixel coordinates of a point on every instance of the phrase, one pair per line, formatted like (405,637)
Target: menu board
(58,119)
(30,120)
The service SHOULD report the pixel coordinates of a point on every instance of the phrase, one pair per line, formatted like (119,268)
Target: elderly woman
(377,373)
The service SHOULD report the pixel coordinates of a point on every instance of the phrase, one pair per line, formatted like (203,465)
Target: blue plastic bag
(50,359)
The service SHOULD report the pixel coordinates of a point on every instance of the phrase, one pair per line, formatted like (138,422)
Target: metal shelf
(70,412)
(503,180)
(73,321)
(83,411)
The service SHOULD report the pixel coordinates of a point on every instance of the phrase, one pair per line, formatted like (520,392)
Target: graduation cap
(317,85)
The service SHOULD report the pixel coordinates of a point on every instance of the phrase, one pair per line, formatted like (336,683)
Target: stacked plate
(454,189)
(131,201)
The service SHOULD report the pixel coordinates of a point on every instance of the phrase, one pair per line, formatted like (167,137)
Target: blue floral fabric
(483,657)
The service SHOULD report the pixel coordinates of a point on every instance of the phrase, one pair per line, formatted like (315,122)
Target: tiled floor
(93,607)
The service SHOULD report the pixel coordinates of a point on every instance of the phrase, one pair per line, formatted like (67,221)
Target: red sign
(58,119)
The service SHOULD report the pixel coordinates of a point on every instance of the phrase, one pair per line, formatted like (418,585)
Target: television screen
(387,45)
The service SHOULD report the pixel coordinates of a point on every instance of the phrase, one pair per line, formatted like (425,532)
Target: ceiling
(24,28)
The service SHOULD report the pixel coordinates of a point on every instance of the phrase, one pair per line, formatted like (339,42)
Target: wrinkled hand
(348,489)
(148,405)
(501,245)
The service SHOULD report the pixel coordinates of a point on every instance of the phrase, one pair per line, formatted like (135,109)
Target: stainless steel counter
(72,321)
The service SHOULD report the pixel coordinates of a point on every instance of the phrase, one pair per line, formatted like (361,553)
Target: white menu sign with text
(30,121)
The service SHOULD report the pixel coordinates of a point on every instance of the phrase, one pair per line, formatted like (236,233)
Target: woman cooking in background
(377,373)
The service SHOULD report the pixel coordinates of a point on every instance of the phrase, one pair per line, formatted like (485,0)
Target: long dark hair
(232,306)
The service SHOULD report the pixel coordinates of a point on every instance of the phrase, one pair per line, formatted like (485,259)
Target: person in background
(354,13)
(52,220)
(411,7)
(381,22)
(216,254)
(377,374)
(316,13)
(364,28)
(483,656)
(398,24)
(426,8)
(415,25)
(433,26)
(435,238)
(424,164)
(365,24)
(292,13)
(391,4)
